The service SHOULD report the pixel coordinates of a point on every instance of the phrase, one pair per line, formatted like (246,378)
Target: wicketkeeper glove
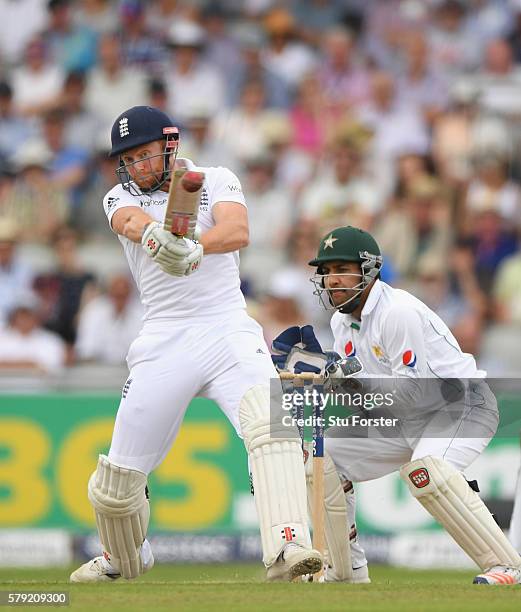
(298,350)
(175,256)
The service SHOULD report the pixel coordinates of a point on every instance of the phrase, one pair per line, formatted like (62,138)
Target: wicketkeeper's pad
(447,496)
(335,516)
(122,514)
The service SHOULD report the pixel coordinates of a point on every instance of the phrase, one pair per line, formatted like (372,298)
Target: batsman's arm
(230,232)
(130,222)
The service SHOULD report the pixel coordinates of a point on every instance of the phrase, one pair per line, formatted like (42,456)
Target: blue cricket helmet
(139,125)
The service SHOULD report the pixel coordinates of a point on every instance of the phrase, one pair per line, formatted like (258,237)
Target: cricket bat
(184,197)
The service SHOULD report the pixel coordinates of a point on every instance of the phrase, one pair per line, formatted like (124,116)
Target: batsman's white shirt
(399,337)
(197,339)
(215,289)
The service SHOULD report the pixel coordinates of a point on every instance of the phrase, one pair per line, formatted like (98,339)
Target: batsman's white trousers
(170,363)
(367,458)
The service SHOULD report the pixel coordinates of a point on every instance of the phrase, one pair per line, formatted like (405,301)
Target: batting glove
(175,256)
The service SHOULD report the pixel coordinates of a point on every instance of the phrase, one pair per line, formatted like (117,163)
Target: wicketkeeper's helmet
(347,244)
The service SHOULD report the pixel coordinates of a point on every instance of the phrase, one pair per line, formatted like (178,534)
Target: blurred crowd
(398,116)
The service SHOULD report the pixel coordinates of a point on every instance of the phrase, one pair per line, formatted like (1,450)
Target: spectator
(246,122)
(111,87)
(344,80)
(158,94)
(269,212)
(21,21)
(62,291)
(251,67)
(37,82)
(197,142)
(161,14)
(492,189)
(489,20)
(419,86)
(100,16)
(24,345)
(37,204)
(280,308)
(141,47)
(452,292)
(507,291)
(15,275)
(295,168)
(499,81)
(424,220)
(68,165)
(15,130)
(315,17)
(109,323)
(90,220)
(310,119)
(81,126)
(221,48)
(492,240)
(292,280)
(193,84)
(452,134)
(342,194)
(396,129)
(71,46)
(409,168)
(453,48)
(285,55)
(514,39)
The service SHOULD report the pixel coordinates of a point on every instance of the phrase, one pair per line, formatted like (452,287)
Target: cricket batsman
(196,340)
(404,346)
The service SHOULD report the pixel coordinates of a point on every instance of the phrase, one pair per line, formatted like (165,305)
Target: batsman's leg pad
(335,516)
(446,495)
(122,514)
(278,475)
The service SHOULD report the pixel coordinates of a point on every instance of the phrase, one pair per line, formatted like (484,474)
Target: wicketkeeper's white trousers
(372,453)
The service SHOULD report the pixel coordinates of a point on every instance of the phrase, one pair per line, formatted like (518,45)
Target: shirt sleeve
(118,198)
(227,188)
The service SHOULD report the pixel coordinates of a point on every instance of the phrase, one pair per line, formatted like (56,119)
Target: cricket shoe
(99,569)
(294,561)
(360,576)
(499,574)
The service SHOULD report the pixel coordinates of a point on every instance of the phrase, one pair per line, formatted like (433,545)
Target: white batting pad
(446,495)
(335,516)
(278,475)
(122,514)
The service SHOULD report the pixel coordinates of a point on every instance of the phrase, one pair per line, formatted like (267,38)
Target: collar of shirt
(372,300)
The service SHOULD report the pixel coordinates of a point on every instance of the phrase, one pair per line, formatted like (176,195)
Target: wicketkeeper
(405,348)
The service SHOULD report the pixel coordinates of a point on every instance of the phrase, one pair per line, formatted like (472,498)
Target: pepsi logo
(349,349)
(409,359)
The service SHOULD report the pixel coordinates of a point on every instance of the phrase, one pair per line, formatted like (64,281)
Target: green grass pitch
(240,587)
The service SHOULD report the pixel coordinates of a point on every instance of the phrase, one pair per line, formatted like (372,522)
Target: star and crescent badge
(328,242)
